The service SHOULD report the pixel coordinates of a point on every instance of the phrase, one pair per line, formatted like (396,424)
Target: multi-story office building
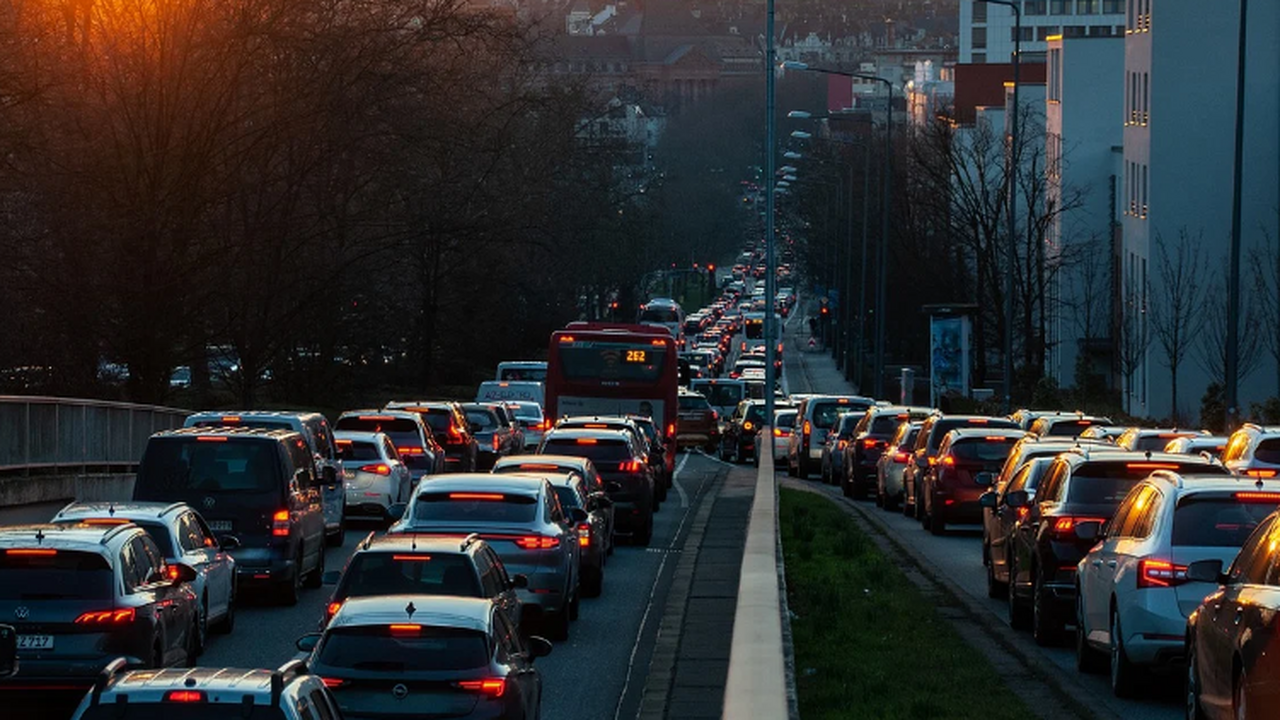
(987,30)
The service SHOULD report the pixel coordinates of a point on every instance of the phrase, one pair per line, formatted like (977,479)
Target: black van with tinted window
(260,486)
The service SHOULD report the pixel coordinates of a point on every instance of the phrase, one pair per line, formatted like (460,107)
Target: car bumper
(544,595)
(694,438)
(893,484)
(1154,628)
(263,566)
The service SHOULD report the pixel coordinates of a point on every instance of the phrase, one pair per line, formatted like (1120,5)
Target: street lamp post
(1232,369)
(1011,177)
(771,330)
(882,269)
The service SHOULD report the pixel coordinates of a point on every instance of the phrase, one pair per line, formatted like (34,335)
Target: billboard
(948,357)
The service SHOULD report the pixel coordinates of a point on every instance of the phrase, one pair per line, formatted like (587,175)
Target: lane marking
(675,481)
(648,608)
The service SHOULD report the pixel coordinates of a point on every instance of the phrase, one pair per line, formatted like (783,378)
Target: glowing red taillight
(185,696)
(901,457)
(332,609)
(537,542)
(1159,574)
(107,617)
(496,442)
(333,682)
(632,465)
(584,535)
(491,687)
(376,469)
(1064,527)
(280,524)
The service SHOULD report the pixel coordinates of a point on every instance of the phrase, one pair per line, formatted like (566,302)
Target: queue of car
(1155,551)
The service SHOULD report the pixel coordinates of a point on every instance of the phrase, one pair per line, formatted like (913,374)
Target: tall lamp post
(771,330)
(1011,177)
(882,269)
(1232,369)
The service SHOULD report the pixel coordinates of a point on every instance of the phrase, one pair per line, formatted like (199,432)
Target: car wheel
(558,625)
(1045,628)
(575,605)
(228,621)
(1019,617)
(643,537)
(1124,675)
(1088,660)
(194,645)
(1194,711)
(594,584)
(292,588)
(995,588)
(890,503)
(937,523)
(315,578)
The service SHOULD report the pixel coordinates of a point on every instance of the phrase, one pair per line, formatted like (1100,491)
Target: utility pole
(1232,370)
(771,329)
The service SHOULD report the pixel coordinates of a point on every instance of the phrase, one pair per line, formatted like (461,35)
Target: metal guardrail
(48,433)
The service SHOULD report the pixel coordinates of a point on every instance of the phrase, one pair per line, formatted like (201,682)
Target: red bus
(614,369)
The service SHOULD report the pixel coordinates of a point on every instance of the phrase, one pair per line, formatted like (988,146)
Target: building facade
(987,29)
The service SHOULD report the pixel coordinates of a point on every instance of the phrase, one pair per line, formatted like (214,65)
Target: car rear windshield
(945,425)
(597,452)
(389,573)
(692,402)
(159,533)
(884,425)
(1108,483)
(721,395)
(786,420)
(1071,428)
(382,649)
(524,374)
(824,413)
(1217,522)
(568,497)
(259,423)
(1154,443)
(64,575)
(612,361)
(172,466)
(180,711)
(357,451)
(438,418)
(659,315)
(370,423)
(984,450)
(485,419)
(479,507)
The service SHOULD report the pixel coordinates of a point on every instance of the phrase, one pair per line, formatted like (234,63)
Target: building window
(979,38)
(1027,34)
(979,58)
(1128,19)
(1044,31)
(1059,7)
(980,11)
(1144,191)
(1146,99)
(1133,98)
(1073,31)
(1055,74)
(1088,7)
(1112,7)
(1099,31)
(1035,7)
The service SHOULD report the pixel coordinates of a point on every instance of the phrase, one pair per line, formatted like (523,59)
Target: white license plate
(35,642)
(220,525)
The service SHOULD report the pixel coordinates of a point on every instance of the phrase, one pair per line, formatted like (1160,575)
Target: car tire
(315,578)
(227,623)
(1124,674)
(995,588)
(1194,709)
(291,589)
(1088,660)
(890,503)
(575,605)
(643,537)
(1019,613)
(593,584)
(937,522)
(1045,628)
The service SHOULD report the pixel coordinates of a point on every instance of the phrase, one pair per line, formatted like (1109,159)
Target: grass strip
(868,643)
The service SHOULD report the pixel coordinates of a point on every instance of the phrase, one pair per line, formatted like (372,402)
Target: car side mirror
(985,479)
(987,499)
(228,542)
(8,651)
(1089,530)
(395,511)
(331,577)
(578,515)
(1208,571)
(1017,499)
(520,580)
(539,646)
(178,573)
(308,642)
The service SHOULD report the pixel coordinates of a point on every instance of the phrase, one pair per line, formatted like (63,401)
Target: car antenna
(1148,454)
(1258,483)
(410,609)
(111,509)
(413,542)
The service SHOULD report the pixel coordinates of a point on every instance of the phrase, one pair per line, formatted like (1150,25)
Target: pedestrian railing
(50,434)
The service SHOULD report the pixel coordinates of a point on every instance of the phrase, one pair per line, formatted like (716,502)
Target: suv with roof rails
(1253,450)
(315,428)
(815,416)
(1153,439)
(207,693)
(410,564)
(1066,425)
(261,486)
(924,454)
(449,425)
(1082,486)
(81,596)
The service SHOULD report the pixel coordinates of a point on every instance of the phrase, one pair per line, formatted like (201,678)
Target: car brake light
(1151,466)
(842,444)
(1065,526)
(106,521)
(1158,574)
(587,441)
(978,421)
(747,425)
(715,415)
(454,433)
(496,442)
(584,535)
(537,542)
(211,438)
(405,629)
(806,428)
(185,696)
(868,443)
(671,430)
(1260,473)
(332,609)
(410,450)
(333,682)
(31,552)
(543,425)
(492,687)
(901,457)
(948,460)
(632,465)
(1261,497)
(376,469)
(475,496)
(280,524)
(107,617)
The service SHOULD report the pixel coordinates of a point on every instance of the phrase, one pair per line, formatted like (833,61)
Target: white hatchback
(373,473)
(1134,595)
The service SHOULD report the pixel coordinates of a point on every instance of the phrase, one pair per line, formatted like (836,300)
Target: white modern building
(1178,115)
(1082,159)
(987,29)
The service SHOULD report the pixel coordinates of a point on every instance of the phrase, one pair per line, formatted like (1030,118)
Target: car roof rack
(115,530)
(368,540)
(468,540)
(286,672)
(105,676)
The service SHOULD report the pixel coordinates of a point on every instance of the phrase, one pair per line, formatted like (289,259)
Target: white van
(509,391)
(724,395)
(522,370)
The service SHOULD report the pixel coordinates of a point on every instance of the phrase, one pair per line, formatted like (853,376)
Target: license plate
(35,642)
(220,525)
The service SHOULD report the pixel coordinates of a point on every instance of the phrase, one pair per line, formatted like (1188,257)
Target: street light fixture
(799,115)
(882,280)
(787,169)
(801,135)
(792,155)
(789,178)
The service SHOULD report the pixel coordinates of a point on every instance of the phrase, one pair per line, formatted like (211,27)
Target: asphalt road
(599,673)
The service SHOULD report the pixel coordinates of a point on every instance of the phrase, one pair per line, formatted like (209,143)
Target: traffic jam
(492,521)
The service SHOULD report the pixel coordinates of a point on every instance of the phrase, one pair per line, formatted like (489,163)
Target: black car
(1044,548)
(738,441)
(1002,520)
(410,564)
(82,595)
(871,436)
(260,486)
(415,656)
(493,432)
(622,465)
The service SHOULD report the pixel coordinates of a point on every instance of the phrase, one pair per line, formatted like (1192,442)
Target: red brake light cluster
(411,451)
(405,629)
(376,469)
(1260,473)
(1065,526)
(901,457)
(280,524)
(475,496)
(1158,573)
(107,617)
(632,465)
(1259,497)
(584,535)
(537,542)
(185,696)
(492,687)
(332,609)
(333,682)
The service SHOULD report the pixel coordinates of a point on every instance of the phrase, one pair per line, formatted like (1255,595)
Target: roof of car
(561,433)
(1103,453)
(128,510)
(1171,432)
(357,435)
(197,678)
(513,483)
(423,404)
(248,433)
(412,542)
(605,419)
(380,413)
(62,536)
(1199,482)
(557,460)
(228,415)
(970,433)
(559,479)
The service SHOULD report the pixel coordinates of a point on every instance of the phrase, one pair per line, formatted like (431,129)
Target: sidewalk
(808,370)
(691,657)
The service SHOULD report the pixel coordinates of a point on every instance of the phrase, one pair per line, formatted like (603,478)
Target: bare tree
(1266,282)
(1211,351)
(1134,339)
(1176,311)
